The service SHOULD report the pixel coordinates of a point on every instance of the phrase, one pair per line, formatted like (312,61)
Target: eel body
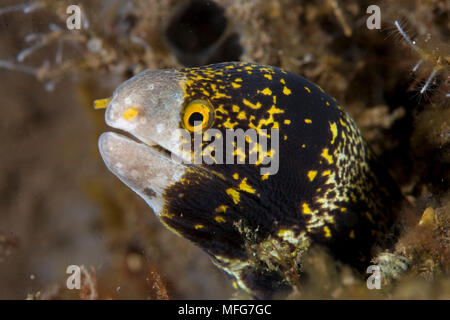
(303,175)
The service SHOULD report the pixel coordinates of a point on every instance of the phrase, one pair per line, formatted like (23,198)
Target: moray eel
(328,189)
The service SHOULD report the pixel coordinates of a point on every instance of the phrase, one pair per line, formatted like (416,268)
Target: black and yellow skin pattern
(329,189)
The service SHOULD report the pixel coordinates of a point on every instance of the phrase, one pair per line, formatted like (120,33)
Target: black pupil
(195,117)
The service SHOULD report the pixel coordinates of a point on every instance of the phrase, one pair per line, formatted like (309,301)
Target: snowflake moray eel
(329,189)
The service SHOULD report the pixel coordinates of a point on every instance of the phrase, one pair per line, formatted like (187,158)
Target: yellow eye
(197,115)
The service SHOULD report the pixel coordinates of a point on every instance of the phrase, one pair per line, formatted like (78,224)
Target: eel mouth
(103,104)
(146,168)
(117,145)
(155,147)
(148,142)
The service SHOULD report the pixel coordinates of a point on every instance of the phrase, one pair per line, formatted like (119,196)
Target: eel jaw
(148,107)
(144,169)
